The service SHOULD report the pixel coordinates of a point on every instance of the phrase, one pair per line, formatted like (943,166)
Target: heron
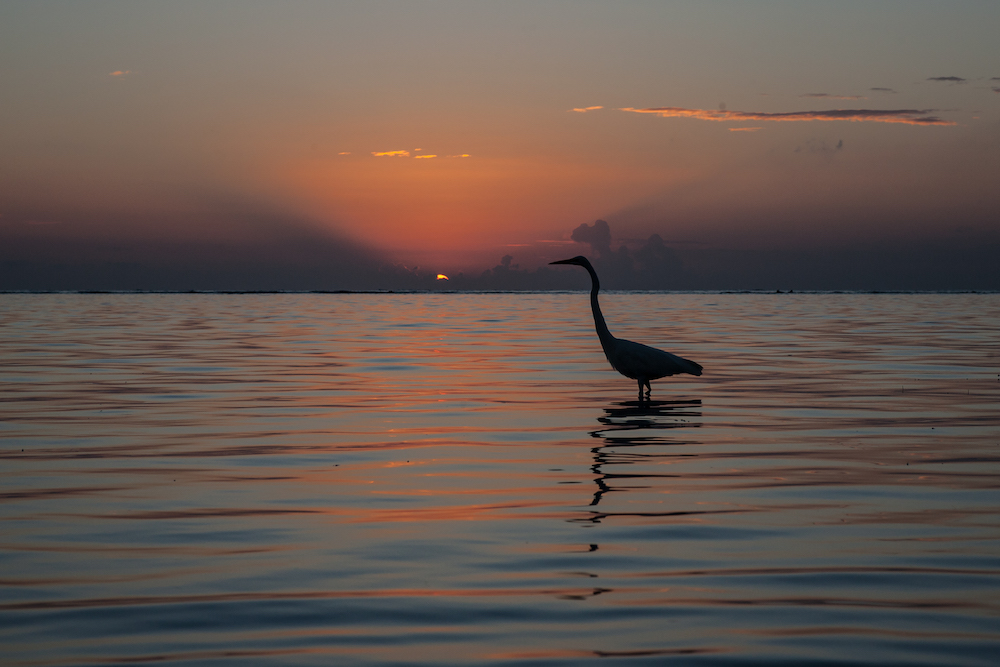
(633,360)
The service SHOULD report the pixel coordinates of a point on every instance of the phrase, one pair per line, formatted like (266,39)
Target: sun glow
(441,276)
(428,211)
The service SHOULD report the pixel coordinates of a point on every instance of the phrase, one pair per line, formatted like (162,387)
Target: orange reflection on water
(320,472)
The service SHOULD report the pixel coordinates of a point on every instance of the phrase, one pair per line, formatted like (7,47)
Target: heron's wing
(638,361)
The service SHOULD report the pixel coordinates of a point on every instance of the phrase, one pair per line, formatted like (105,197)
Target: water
(428,479)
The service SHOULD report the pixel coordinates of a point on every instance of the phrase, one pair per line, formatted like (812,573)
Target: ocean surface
(435,479)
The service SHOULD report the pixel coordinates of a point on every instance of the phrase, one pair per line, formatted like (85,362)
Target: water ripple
(429,479)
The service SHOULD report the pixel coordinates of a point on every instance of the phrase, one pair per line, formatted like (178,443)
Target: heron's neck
(599,323)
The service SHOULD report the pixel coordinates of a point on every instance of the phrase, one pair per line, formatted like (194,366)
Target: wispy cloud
(120,73)
(585,109)
(408,154)
(883,90)
(745,129)
(904,116)
(835,97)
(952,79)
(344,153)
(996,90)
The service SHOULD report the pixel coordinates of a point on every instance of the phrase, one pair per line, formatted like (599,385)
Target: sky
(376,145)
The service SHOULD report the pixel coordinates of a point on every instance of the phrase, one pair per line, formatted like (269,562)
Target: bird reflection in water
(632,424)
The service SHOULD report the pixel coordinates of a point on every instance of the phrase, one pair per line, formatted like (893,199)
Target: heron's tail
(692,367)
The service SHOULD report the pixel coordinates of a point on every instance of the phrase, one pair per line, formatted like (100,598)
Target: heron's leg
(649,390)
(640,391)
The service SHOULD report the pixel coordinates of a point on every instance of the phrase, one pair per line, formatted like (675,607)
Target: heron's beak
(563,261)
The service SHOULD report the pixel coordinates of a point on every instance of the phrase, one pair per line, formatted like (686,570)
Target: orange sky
(512,123)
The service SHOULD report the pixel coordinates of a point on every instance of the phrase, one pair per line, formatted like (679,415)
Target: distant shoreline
(385,292)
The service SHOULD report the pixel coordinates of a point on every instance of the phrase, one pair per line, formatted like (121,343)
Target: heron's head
(579,260)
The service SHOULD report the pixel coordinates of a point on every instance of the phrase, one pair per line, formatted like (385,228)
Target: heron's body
(633,360)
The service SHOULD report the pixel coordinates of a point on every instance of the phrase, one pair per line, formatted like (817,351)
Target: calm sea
(429,479)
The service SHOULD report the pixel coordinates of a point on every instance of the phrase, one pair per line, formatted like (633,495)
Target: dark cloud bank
(942,264)
(274,252)
(228,249)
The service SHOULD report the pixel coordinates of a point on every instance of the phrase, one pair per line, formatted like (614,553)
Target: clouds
(586,109)
(637,264)
(597,236)
(948,79)
(879,89)
(120,73)
(902,116)
(953,260)
(245,246)
(204,245)
(405,153)
(653,265)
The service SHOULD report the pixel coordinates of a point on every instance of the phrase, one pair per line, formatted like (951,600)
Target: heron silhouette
(633,360)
